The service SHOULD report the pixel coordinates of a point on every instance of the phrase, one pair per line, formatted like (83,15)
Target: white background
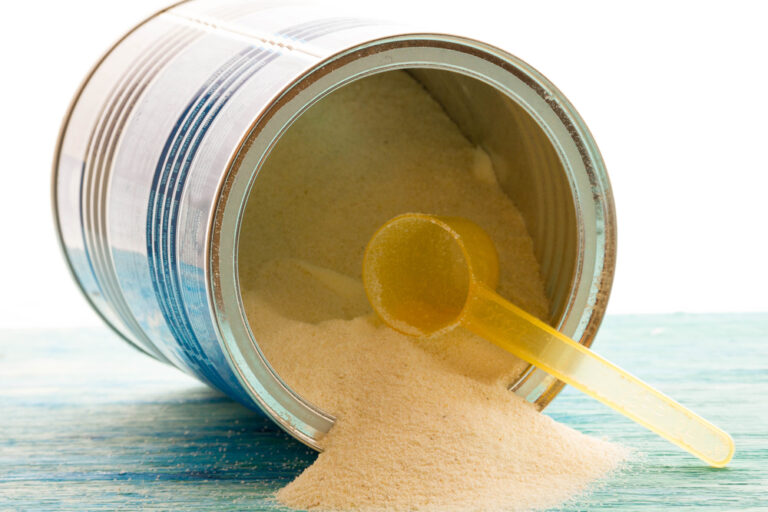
(675,94)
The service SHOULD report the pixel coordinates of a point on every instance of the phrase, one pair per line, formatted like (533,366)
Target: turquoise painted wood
(86,423)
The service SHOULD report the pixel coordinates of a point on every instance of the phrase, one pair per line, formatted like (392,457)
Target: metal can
(164,140)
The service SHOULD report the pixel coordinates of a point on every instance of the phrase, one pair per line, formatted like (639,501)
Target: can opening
(525,164)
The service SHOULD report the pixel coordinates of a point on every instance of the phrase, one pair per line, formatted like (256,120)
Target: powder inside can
(421,424)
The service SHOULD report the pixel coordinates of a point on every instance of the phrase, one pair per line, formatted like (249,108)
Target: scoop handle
(501,322)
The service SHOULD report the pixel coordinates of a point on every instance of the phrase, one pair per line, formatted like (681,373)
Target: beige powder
(421,425)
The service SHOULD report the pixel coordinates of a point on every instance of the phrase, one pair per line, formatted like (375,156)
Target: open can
(164,141)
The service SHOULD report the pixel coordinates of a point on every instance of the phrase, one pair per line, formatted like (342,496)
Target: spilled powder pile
(421,425)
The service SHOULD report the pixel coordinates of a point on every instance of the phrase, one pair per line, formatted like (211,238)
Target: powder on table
(421,425)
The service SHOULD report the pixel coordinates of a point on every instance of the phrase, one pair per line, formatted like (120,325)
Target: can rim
(306,422)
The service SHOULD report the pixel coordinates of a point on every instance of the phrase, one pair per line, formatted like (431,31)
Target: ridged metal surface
(99,156)
(164,141)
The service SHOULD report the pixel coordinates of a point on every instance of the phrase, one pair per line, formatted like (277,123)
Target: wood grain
(87,423)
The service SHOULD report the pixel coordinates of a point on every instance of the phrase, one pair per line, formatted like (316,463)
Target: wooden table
(87,423)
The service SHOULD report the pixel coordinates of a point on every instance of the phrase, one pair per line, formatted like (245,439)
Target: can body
(165,138)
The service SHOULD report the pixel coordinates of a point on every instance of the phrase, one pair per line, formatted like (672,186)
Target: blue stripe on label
(170,178)
(159,185)
(202,104)
(168,185)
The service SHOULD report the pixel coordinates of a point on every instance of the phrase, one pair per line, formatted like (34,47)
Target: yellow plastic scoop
(426,275)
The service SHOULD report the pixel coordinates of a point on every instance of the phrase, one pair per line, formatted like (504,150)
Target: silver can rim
(301,419)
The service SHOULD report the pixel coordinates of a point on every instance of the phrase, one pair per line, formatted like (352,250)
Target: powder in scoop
(421,424)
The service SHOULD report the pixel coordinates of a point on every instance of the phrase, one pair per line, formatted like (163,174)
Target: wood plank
(87,423)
